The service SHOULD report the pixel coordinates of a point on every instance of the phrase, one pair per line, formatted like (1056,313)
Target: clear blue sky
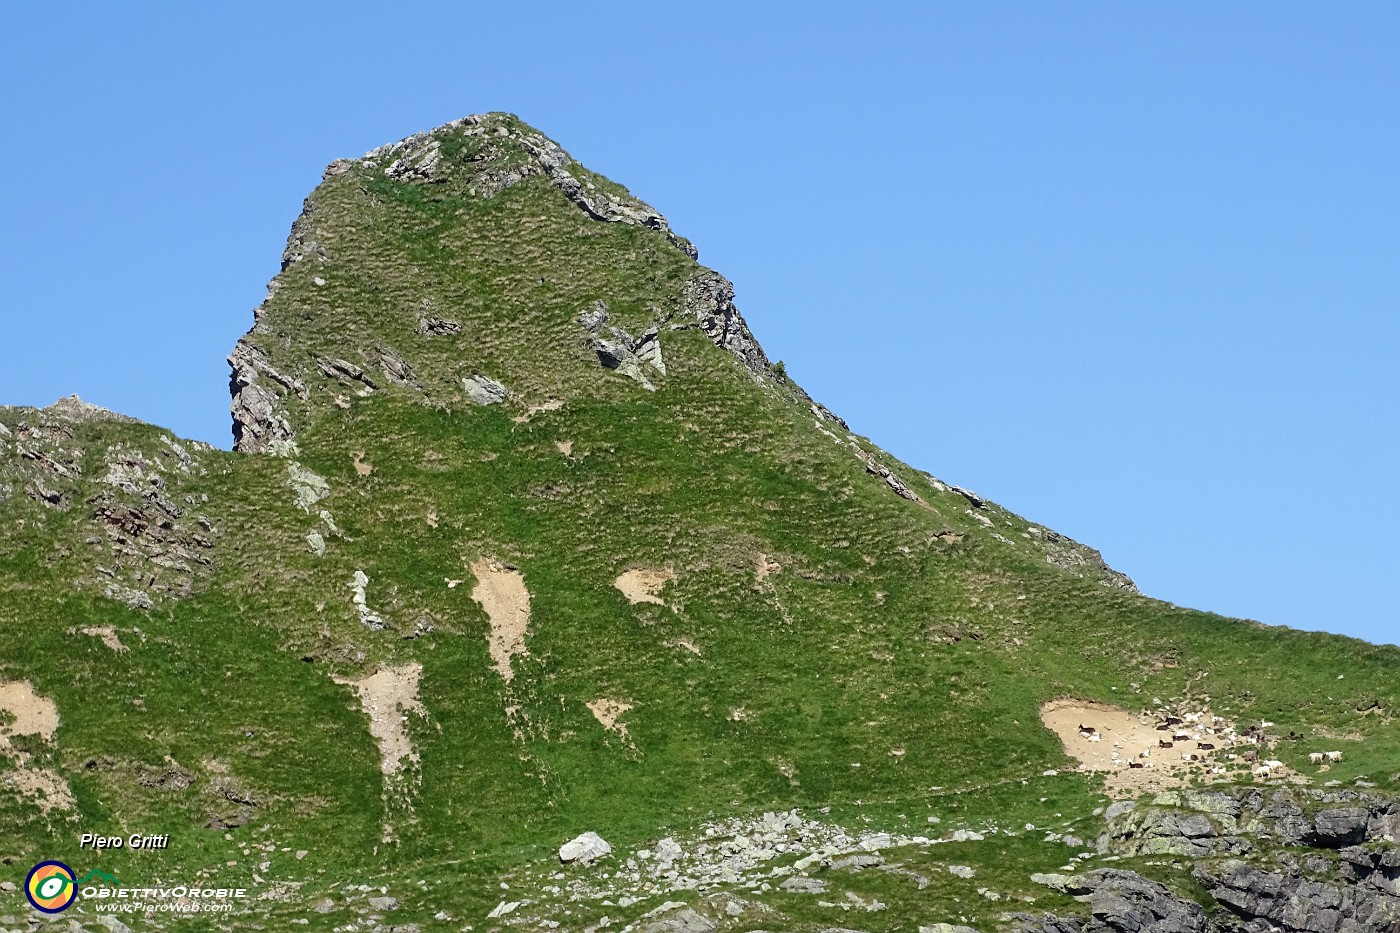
(1129,269)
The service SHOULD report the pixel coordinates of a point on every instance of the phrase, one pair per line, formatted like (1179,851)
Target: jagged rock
(946,928)
(961,871)
(1068,554)
(1055,881)
(324,906)
(1160,831)
(709,298)
(73,408)
(1044,923)
(1121,902)
(857,862)
(346,371)
(384,903)
(592,199)
(1125,901)
(875,468)
(420,160)
(259,418)
(1295,903)
(502,909)
(483,391)
(396,370)
(666,852)
(308,486)
(620,351)
(136,599)
(438,327)
(977,501)
(585,848)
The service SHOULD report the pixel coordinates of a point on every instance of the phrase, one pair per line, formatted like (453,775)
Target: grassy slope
(876,636)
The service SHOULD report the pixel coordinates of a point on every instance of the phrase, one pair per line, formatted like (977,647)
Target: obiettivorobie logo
(51,887)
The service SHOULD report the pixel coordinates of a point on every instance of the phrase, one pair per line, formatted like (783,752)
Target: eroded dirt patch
(764,567)
(641,585)
(48,790)
(32,714)
(1148,750)
(565,447)
(108,634)
(553,404)
(501,592)
(608,712)
(387,696)
(28,713)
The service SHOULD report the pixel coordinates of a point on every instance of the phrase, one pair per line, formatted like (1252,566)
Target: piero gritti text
(134,841)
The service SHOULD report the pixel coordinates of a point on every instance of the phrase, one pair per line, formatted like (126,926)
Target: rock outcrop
(1289,859)
(1121,902)
(709,299)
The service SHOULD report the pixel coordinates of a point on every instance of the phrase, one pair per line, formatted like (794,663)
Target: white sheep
(1332,756)
(1315,758)
(1262,771)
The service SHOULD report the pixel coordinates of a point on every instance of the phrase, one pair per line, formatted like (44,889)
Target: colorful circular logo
(51,887)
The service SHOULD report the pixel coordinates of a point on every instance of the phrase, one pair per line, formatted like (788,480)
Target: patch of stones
(729,858)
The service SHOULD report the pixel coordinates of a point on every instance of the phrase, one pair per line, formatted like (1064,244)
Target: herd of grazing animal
(1209,734)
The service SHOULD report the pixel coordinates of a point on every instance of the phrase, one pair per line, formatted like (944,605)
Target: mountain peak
(415,268)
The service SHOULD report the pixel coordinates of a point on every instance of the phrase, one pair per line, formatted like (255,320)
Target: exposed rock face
(620,351)
(259,421)
(1121,902)
(1068,554)
(685,920)
(1295,888)
(1361,900)
(709,298)
(438,327)
(143,534)
(482,390)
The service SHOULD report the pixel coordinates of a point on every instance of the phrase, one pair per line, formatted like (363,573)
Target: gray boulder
(802,884)
(584,849)
(685,920)
(484,391)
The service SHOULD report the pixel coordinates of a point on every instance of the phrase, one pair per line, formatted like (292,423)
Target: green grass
(890,675)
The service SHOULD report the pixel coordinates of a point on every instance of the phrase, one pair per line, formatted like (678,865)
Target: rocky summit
(534,595)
